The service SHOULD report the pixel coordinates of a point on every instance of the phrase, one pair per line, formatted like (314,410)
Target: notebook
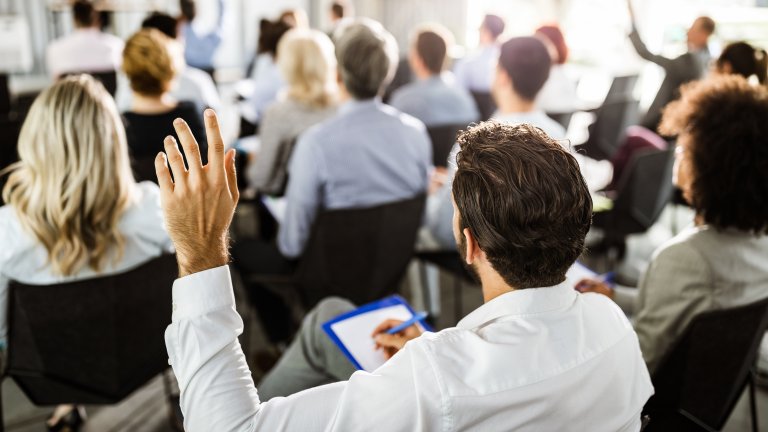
(351,331)
(577,272)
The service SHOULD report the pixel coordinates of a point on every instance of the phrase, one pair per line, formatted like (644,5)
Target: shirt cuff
(202,292)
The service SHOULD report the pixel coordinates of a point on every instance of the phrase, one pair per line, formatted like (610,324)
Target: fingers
(188,143)
(215,142)
(163,175)
(175,160)
(229,162)
(390,341)
(386,325)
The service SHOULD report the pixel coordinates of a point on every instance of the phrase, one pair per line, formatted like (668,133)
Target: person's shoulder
(687,248)
(407,91)
(112,40)
(406,120)
(144,208)
(11,233)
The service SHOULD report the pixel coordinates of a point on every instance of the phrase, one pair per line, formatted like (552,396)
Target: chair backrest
(443,138)
(638,139)
(107,78)
(485,104)
(280,168)
(622,87)
(359,254)
(643,190)
(91,341)
(703,375)
(607,131)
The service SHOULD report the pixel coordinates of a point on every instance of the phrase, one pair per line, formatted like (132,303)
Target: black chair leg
(752,401)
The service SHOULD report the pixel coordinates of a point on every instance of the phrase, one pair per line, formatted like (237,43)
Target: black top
(146,133)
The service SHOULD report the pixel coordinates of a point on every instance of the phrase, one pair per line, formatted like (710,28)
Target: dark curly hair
(726,121)
(524,200)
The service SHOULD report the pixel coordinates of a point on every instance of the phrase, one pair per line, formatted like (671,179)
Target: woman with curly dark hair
(721,166)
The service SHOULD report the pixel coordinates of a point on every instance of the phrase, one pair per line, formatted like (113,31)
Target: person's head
(743,59)
(163,22)
(523,68)
(491,28)
(367,57)
(73,180)
(85,15)
(307,63)
(698,34)
(270,33)
(150,62)
(722,154)
(295,18)
(429,50)
(554,36)
(188,10)
(522,207)
(340,10)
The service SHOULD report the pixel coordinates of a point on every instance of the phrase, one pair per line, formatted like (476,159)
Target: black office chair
(641,195)
(485,104)
(107,78)
(562,118)
(358,254)
(91,341)
(701,378)
(449,261)
(622,88)
(443,138)
(607,131)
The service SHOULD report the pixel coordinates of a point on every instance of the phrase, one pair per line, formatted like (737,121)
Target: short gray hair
(367,57)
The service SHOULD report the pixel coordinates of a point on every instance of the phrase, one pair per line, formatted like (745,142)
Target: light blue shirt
(200,48)
(368,154)
(437,100)
(475,72)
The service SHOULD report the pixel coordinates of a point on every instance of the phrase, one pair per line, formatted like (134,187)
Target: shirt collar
(521,302)
(356,104)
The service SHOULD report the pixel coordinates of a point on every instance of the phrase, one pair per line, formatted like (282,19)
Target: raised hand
(198,203)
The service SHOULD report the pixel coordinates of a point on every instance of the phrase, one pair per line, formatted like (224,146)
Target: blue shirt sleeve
(303,196)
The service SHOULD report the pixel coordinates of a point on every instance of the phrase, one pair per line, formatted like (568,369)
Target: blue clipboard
(393,300)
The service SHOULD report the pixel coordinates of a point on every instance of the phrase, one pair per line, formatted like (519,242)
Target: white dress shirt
(24,259)
(546,359)
(85,50)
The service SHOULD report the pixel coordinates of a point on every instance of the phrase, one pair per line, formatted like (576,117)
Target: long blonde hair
(306,61)
(74,180)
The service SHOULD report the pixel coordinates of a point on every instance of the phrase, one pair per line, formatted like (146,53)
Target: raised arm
(639,45)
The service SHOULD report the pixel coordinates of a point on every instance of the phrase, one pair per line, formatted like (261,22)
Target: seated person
(559,92)
(266,77)
(536,356)
(743,59)
(191,84)
(151,62)
(523,68)
(74,210)
(87,49)
(475,71)
(200,48)
(721,261)
(435,98)
(307,62)
(368,154)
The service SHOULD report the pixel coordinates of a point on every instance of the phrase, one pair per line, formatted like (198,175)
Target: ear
(473,251)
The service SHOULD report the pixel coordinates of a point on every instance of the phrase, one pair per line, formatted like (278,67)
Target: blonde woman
(152,61)
(74,210)
(308,65)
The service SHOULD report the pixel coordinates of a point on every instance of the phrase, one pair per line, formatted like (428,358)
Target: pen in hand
(416,318)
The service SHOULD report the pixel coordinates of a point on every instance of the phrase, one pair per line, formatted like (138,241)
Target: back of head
(270,33)
(522,196)
(84,13)
(722,122)
(163,22)
(494,24)
(431,44)
(188,9)
(706,25)
(306,62)
(295,18)
(555,36)
(527,62)
(341,9)
(367,57)
(745,60)
(73,181)
(150,62)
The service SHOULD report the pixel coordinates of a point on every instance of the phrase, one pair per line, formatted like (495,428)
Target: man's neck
(152,104)
(511,103)
(492,285)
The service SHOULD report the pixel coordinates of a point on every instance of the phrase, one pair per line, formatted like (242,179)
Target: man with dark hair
(434,98)
(340,12)
(87,49)
(200,48)
(536,356)
(475,72)
(192,84)
(687,67)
